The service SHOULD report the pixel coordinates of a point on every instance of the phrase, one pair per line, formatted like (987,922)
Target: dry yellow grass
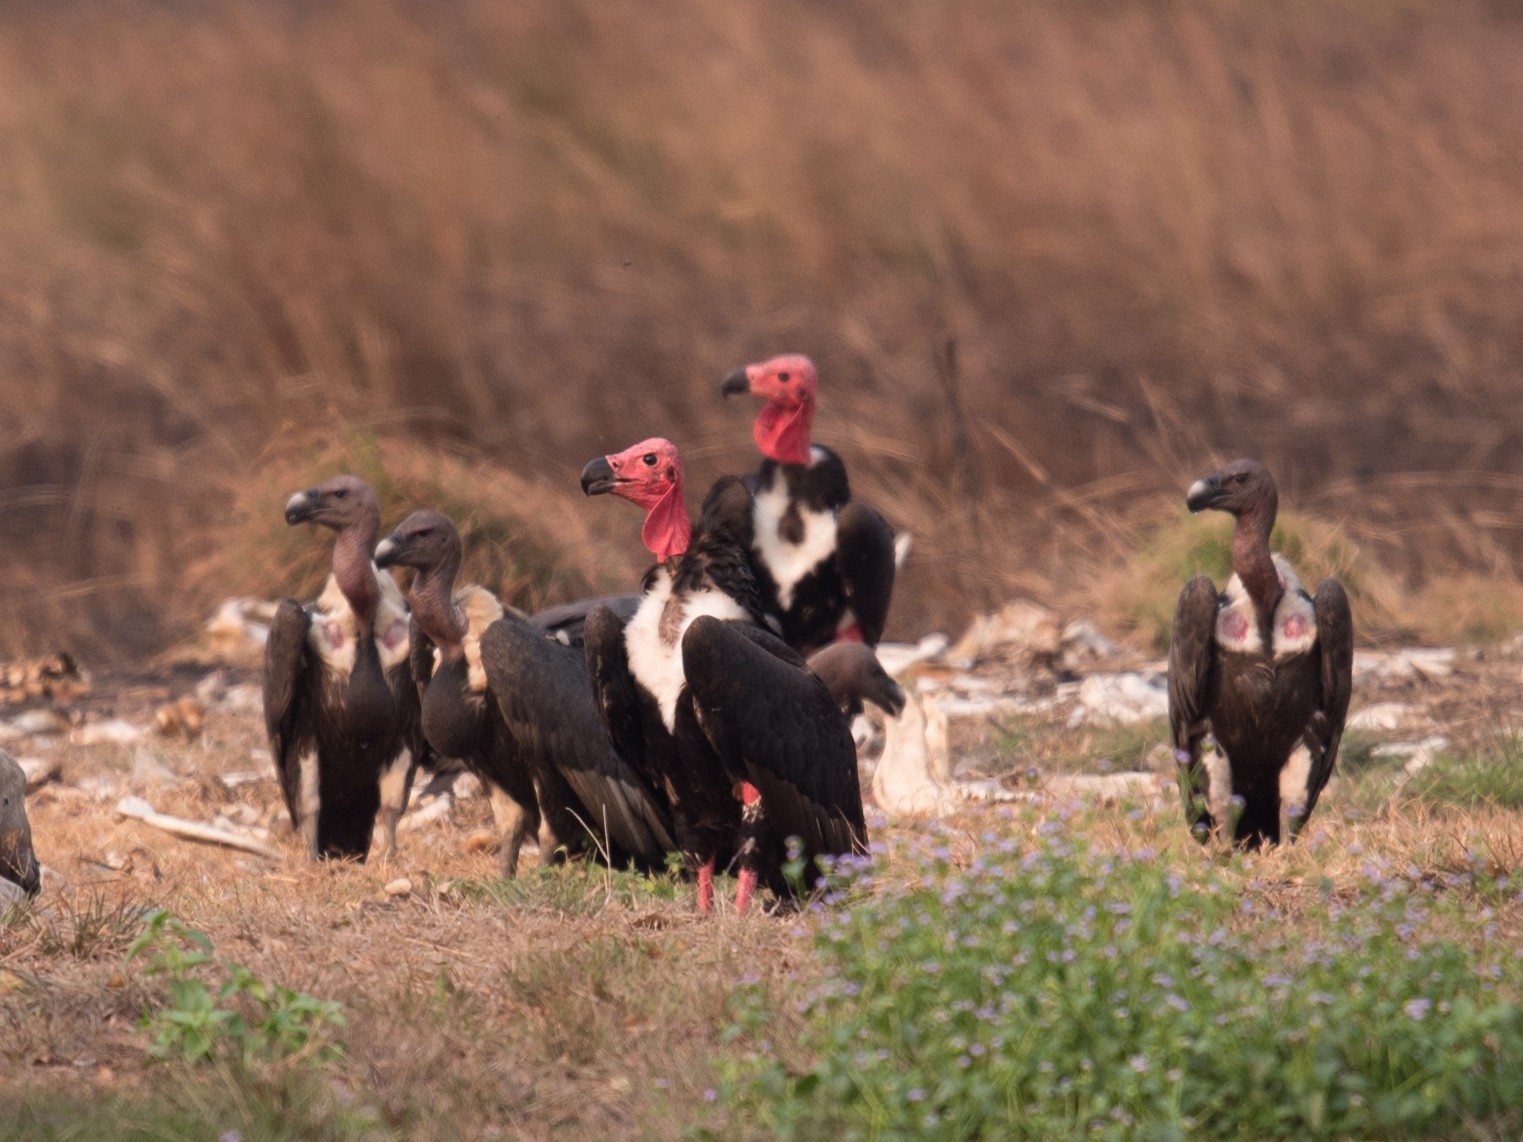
(516,237)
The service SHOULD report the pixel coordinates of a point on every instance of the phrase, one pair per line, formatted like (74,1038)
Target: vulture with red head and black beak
(340,704)
(824,562)
(1263,668)
(705,702)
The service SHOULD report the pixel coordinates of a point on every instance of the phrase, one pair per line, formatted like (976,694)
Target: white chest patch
(1295,621)
(790,562)
(655,662)
(334,629)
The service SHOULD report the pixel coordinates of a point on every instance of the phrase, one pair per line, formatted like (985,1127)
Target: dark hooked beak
(302,506)
(736,382)
(1203,494)
(389,550)
(598,477)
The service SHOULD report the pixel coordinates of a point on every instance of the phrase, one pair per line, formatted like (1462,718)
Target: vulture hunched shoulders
(340,704)
(1264,668)
(750,746)
(824,562)
(517,707)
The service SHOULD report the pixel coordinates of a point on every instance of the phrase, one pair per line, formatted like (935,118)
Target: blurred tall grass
(1054,259)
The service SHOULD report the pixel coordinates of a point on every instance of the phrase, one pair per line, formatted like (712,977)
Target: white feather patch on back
(481,609)
(657,664)
(334,628)
(1295,620)
(790,562)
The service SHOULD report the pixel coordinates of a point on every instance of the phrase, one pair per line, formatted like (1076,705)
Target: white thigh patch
(394,782)
(308,797)
(1293,779)
(1218,783)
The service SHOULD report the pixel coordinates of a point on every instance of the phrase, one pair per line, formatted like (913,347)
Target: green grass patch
(1488,776)
(1049,991)
(576,888)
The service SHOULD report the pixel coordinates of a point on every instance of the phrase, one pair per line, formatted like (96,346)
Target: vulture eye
(649,459)
(784,377)
(340,494)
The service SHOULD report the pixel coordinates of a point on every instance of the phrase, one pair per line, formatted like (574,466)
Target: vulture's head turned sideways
(343,503)
(648,474)
(1243,486)
(424,540)
(789,384)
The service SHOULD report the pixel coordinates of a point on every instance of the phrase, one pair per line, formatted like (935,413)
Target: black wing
(566,622)
(420,656)
(865,555)
(1335,642)
(729,506)
(613,686)
(546,699)
(853,675)
(780,726)
(1192,667)
(287,678)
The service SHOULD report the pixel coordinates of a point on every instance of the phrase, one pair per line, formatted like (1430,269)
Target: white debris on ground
(1122,698)
(240,628)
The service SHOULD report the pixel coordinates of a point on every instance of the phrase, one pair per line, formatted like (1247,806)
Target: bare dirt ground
(576,1002)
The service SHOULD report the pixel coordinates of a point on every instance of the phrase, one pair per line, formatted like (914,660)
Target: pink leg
(706,886)
(852,633)
(743,893)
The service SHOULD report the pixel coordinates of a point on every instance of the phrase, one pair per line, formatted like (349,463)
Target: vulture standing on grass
(340,704)
(749,745)
(1263,667)
(541,717)
(18,863)
(824,562)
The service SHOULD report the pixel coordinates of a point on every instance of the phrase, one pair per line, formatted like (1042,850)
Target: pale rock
(1082,645)
(401,886)
(898,657)
(1124,698)
(113,731)
(436,809)
(42,722)
(244,698)
(467,786)
(1384,716)
(1020,627)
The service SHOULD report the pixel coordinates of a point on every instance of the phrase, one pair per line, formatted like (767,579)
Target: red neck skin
(432,599)
(782,431)
(1252,562)
(356,575)
(668,530)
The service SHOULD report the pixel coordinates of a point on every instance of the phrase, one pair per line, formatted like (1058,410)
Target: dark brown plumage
(1263,668)
(340,704)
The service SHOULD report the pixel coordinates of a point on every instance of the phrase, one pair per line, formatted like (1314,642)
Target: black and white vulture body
(824,563)
(749,745)
(517,708)
(340,704)
(18,863)
(1262,668)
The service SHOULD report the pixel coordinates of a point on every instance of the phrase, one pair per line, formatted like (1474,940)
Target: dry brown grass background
(470,245)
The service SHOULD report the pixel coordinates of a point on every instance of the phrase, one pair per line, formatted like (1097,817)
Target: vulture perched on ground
(340,704)
(824,563)
(749,745)
(18,863)
(517,707)
(1264,668)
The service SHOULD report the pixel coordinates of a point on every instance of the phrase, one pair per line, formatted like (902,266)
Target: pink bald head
(649,474)
(782,427)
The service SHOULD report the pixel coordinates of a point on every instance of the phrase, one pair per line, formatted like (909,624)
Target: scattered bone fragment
(1124,698)
(898,657)
(112,731)
(434,809)
(1385,716)
(138,809)
(239,629)
(148,772)
(1019,629)
(42,722)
